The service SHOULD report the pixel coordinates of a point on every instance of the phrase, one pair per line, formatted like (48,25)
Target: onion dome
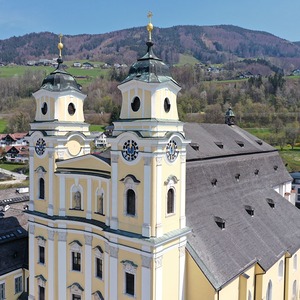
(149,68)
(60,80)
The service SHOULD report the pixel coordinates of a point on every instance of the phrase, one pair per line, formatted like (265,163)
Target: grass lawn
(291,158)
(97,128)
(11,167)
(3,124)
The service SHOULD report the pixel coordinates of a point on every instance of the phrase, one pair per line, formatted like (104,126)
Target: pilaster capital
(62,236)
(31,228)
(146,261)
(88,239)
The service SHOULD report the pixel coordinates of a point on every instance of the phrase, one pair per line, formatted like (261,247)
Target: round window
(71,109)
(167,105)
(44,108)
(135,104)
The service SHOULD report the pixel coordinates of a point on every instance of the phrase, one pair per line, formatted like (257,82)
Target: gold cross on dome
(150,15)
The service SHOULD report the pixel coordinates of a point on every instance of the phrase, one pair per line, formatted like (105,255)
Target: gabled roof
(263,236)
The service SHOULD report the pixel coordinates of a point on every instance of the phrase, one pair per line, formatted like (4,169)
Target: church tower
(148,167)
(58,133)
(112,225)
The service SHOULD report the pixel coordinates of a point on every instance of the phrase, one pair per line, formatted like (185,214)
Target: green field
(97,128)
(3,124)
(83,76)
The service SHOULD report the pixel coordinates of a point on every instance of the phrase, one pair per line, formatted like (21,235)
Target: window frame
(2,290)
(129,272)
(171,205)
(75,250)
(130,183)
(18,284)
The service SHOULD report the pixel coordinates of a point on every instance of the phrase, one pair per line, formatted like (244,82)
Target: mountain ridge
(217,44)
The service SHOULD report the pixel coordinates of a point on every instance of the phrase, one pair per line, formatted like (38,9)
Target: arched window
(170,201)
(130,202)
(280,269)
(269,291)
(249,295)
(41,188)
(294,296)
(295,262)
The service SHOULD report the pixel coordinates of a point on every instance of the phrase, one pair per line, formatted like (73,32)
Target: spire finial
(60,45)
(150,25)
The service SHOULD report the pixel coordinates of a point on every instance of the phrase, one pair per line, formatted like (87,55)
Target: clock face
(130,150)
(40,146)
(171,150)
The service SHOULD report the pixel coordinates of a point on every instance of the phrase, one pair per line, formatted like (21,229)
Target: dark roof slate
(263,237)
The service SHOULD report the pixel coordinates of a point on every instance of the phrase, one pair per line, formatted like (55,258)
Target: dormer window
(240,143)
(214,182)
(135,104)
(275,167)
(271,202)
(220,145)
(220,222)
(256,172)
(250,210)
(237,176)
(259,142)
(195,146)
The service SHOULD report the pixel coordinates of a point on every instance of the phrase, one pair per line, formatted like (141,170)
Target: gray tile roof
(263,237)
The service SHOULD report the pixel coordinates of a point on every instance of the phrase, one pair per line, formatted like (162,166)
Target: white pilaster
(146,278)
(51,262)
(50,187)
(159,229)
(106,271)
(114,195)
(182,190)
(147,197)
(62,263)
(88,265)
(181,285)
(62,195)
(158,278)
(31,179)
(89,199)
(32,262)
(113,272)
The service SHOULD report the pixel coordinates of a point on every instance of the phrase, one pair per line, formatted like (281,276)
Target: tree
(292,133)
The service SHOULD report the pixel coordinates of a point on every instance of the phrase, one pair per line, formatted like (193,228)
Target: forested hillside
(208,44)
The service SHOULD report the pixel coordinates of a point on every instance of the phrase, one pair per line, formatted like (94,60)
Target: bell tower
(148,165)
(58,132)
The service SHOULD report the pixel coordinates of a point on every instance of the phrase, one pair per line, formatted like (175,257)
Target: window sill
(75,209)
(98,213)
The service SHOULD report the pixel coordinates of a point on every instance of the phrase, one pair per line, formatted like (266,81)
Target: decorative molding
(41,241)
(172,179)
(113,251)
(181,251)
(62,236)
(50,154)
(114,158)
(31,228)
(76,246)
(146,261)
(158,161)
(98,252)
(88,239)
(41,280)
(147,161)
(60,154)
(129,266)
(182,158)
(158,262)
(106,248)
(76,288)
(51,234)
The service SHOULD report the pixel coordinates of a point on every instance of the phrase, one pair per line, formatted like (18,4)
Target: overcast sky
(18,17)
